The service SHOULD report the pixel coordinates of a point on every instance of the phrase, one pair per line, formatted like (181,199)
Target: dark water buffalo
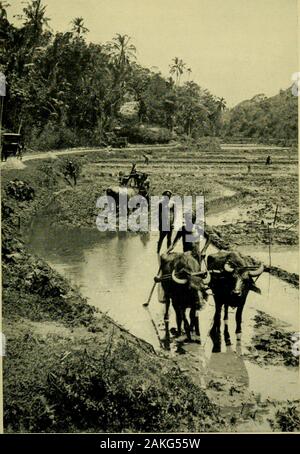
(231,280)
(185,286)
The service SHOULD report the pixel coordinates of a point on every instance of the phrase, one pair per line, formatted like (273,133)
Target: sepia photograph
(149,219)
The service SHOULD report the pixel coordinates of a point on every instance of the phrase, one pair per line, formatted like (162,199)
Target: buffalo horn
(228,268)
(258,271)
(206,280)
(177,280)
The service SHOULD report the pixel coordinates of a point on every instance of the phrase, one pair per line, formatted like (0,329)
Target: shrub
(53,137)
(147,135)
(287,418)
(70,169)
(48,175)
(19,190)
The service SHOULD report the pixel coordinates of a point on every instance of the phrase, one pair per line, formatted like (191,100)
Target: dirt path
(81,151)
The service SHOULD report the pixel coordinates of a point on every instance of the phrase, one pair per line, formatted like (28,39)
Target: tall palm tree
(177,67)
(221,103)
(189,71)
(121,50)
(35,16)
(78,26)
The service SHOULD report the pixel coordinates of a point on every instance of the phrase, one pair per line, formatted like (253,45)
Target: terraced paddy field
(251,197)
(251,210)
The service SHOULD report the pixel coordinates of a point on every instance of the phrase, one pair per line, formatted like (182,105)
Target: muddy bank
(252,233)
(113,381)
(223,204)
(272,343)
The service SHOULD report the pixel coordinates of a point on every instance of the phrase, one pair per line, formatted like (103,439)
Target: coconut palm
(121,50)
(78,26)
(35,17)
(177,67)
(221,103)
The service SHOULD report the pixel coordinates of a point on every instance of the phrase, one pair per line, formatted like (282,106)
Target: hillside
(271,119)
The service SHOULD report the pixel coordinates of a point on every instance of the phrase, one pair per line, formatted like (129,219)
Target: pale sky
(235,48)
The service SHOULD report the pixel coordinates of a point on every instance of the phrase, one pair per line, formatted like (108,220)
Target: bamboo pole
(1,115)
(275,216)
(146,304)
(270,262)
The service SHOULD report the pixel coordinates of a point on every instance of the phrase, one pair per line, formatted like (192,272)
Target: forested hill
(267,119)
(63,90)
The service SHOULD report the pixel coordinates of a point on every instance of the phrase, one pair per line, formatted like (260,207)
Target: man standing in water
(165,219)
(191,234)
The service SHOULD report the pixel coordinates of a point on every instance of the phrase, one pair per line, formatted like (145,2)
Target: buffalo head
(187,271)
(236,273)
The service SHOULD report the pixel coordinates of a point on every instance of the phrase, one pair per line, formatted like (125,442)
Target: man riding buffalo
(125,189)
(231,280)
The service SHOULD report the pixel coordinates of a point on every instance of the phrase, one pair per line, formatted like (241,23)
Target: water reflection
(229,364)
(115,272)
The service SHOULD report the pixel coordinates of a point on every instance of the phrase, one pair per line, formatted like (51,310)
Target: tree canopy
(264,119)
(63,90)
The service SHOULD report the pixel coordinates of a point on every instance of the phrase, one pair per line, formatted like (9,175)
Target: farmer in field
(124,180)
(133,175)
(165,219)
(268,161)
(191,234)
(71,171)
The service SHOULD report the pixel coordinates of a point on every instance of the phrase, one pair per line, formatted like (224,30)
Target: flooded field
(284,257)
(115,272)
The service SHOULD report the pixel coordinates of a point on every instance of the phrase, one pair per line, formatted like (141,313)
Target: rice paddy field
(54,246)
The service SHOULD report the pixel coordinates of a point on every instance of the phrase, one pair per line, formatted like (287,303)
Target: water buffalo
(231,280)
(115,192)
(185,286)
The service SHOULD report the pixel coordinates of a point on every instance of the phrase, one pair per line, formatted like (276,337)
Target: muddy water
(284,257)
(115,272)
